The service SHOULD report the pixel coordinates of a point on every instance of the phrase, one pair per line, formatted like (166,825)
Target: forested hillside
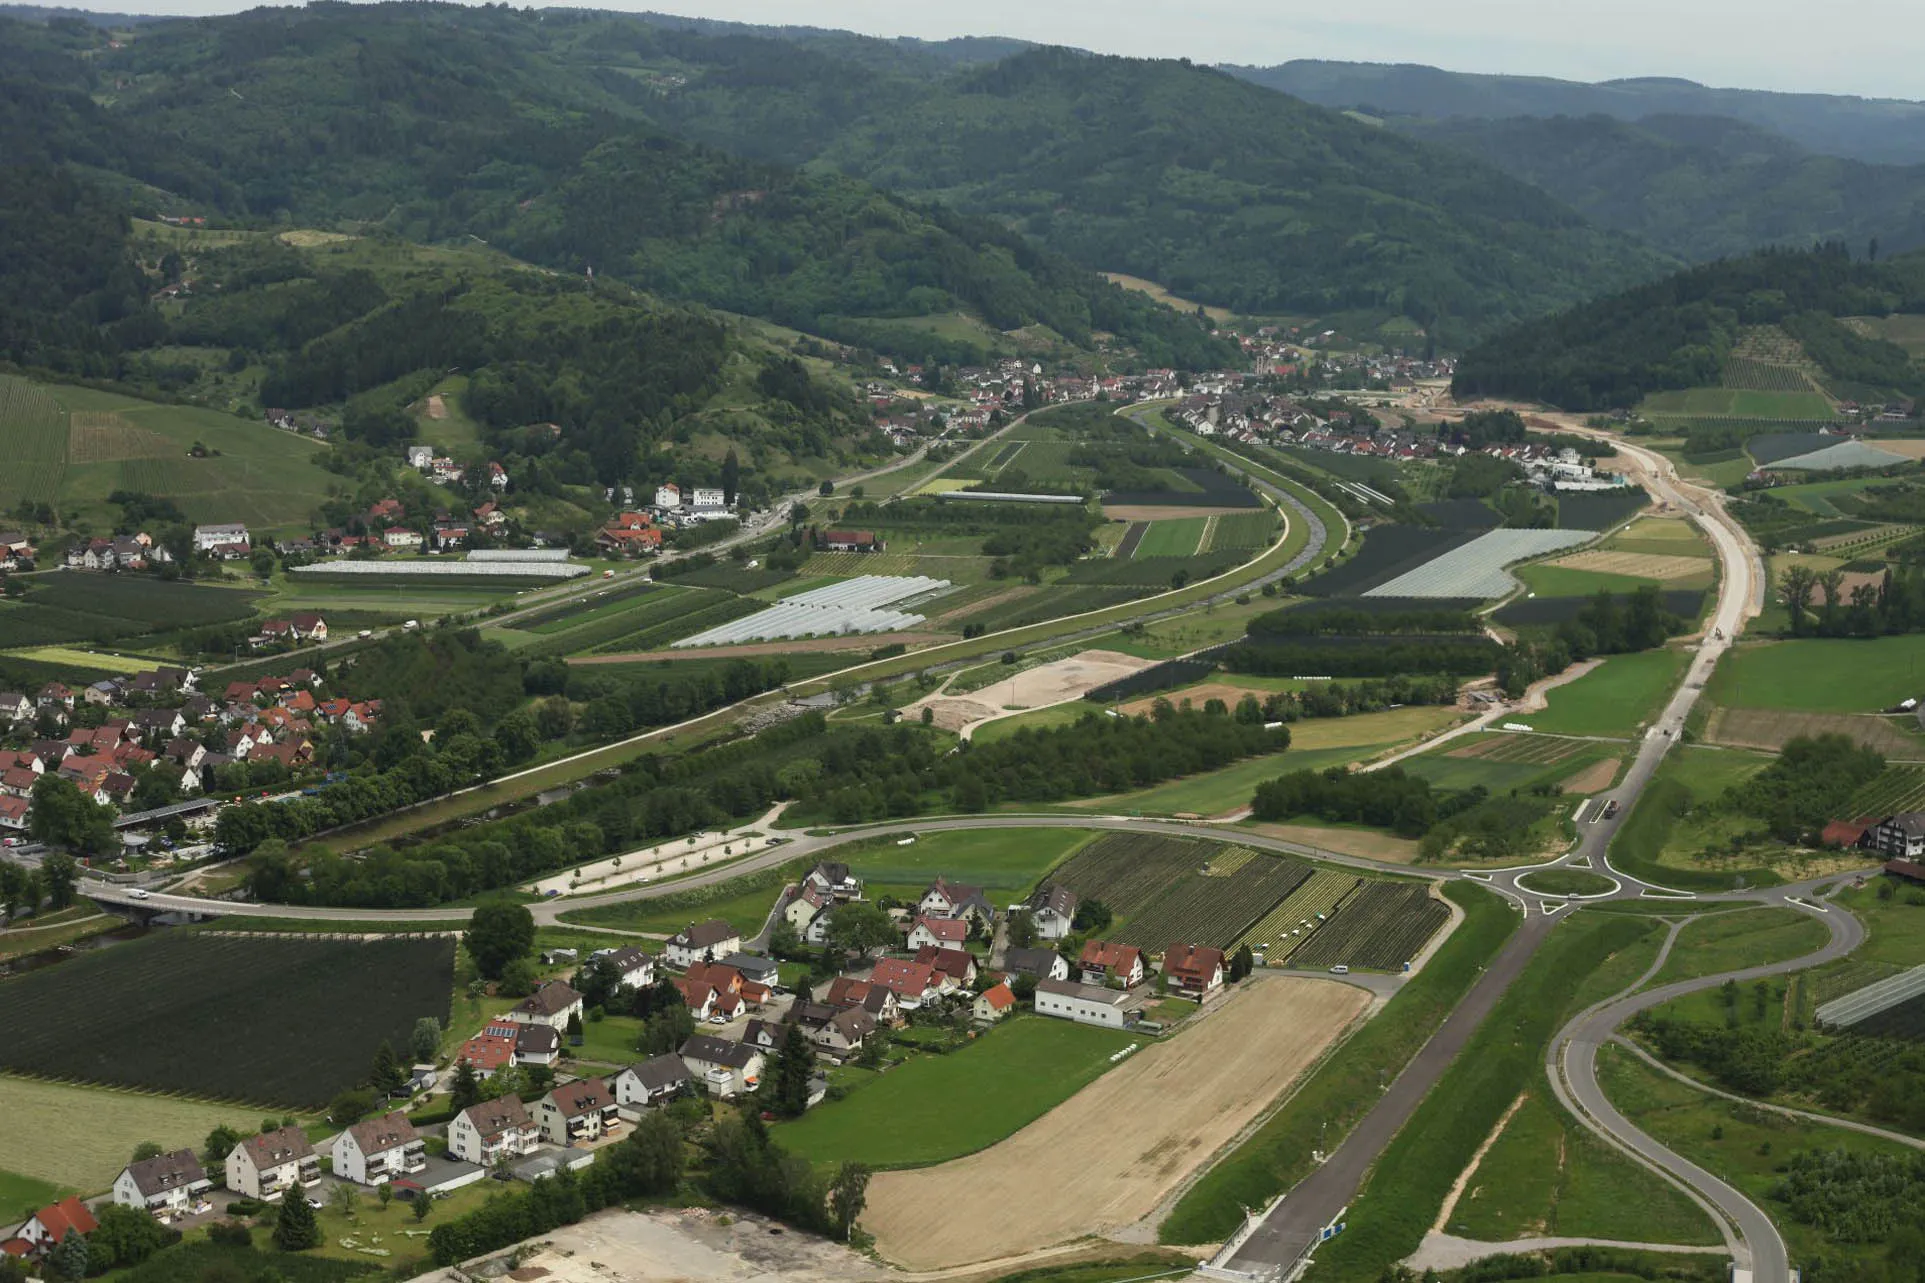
(1880,130)
(1676,333)
(435,122)
(1699,187)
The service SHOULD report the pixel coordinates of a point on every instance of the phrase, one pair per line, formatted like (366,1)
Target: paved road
(1572,1065)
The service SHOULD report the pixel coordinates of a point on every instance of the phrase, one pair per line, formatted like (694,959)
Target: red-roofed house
(13,812)
(1193,971)
(913,983)
(954,965)
(1101,960)
(941,932)
(487,1052)
(993,1003)
(52,1223)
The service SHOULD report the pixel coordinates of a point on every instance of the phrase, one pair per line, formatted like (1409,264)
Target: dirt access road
(1108,1156)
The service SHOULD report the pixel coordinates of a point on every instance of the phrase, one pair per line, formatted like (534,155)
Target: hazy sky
(1870,47)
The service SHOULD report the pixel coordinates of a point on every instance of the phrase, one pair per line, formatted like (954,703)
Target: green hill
(1678,333)
(1699,187)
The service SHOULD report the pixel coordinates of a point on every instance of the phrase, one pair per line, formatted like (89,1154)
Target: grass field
(1615,698)
(1821,675)
(1566,881)
(1738,404)
(73,446)
(1179,537)
(938,1107)
(1229,789)
(21,1196)
(1674,839)
(1730,941)
(1545,1175)
(80,1137)
(1035,720)
(1545,580)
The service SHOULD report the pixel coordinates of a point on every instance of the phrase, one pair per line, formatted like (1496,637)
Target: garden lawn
(1615,698)
(610,1040)
(937,1107)
(1821,675)
(21,1196)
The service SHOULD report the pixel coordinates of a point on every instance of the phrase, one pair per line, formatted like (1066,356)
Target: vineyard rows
(1898,788)
(275,1020)
(1750,375)
(1175,889)
(1283,928)
(1382,926)
(1535,750)
(1242,531)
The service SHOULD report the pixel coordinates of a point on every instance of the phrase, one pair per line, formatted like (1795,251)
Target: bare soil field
(1910,447)
(1594,778)
(1359,842)
(1770,728)
(1640,565)
(994,599)
(1054,683)
(1393,726)
(1167,512)
(1183,1099)
(437,408)
(865,643)
(1196,696)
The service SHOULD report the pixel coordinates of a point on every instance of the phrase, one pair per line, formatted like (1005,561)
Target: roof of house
(493,1117)
(944,929)
(1906,869)
(164,1172)
(716,975)
(659,1073)
(832,871)
(956,963)
(1056,898)
(956,892)
(1088,993)
(489,1051)
(1110,957)
(705,935)
(68,1216)
(1843,833)
(749,963)
(588,1096)
(282,1145)
(853,1023)
(377,1135)
(1910,823)
(1192,961)
(1030,962)
(553,998)
(999,996)
(536,1040)
(629,957)
(904,977)
(718,1051)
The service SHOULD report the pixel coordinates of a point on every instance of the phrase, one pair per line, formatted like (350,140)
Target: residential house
(703,940)
(1043,964)
(54,695)
(1052,911)
(654,1080)
(630,532)
(956,964)
(852,541)
(15,707)
(552,1004)
(420,456)
(401,537)
(844,1034)
(1102,962)
(14,812)
(165,1183)
(878,1000)
(708,502)
(493,1131)
(537,1044)
(754,968)
(497,476)
(18,781)
(913,983)
(766,1036)
(489,1051)
(940,933)
(378,1150)
(833,879)
(668,496)
(309,626)
(270,1164)
(449,535)
(225,540)
(1194,971)
(699,998)
(45,1229)
(1085,1004)
(993,1003)
(1897,837)
(808,912)
(634,969)
(724,1068)
(946,899)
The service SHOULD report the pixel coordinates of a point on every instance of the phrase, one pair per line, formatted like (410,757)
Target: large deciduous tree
(498,933)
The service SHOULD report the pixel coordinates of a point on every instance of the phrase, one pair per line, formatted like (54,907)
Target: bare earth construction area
(1111,1153)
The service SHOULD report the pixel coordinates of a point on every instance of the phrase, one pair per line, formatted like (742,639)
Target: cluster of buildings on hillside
(168,728)
(444,471)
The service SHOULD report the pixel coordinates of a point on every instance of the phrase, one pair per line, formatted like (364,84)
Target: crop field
(35,430)
(1312,903)
(1739,403)
(1598,511)
(285,1021)
(1615,698)
(1535,750)
(1897,788)
(1546,608)
(1477,569)
(1380,927)
(579,610)
(1242,531)
(660,624)
(1387,552)
(1165,889)
(1747,374)
(153,602)
(1637,565)
(1019,612)
(1179,538)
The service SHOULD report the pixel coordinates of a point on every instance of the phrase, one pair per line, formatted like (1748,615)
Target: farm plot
(1535,750)
(1476,569)
(1132,537)
(105,436)
(278,1020)
(1381,927)
(1773,728)
(1301,912)
(1165,889)
(1180,538)
(1598,511)
(1897,788)
(1387,552)
(35,430)
(1636,565)
(1242,531)
(153,602)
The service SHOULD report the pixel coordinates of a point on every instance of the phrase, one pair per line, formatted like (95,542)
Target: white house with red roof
(1102,961)
(943,933)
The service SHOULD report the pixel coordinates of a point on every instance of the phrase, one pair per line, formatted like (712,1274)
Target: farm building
(1897,837)
(1085,1004)
(852,541)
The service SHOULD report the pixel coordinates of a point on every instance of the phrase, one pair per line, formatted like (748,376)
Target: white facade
(206,537)
(168,1183)
(268,1165)
(377,1151)
(1085,1004)
(704,497)
(668,496)
(486,1133)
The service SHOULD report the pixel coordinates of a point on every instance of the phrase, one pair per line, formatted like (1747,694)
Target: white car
(139,893)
